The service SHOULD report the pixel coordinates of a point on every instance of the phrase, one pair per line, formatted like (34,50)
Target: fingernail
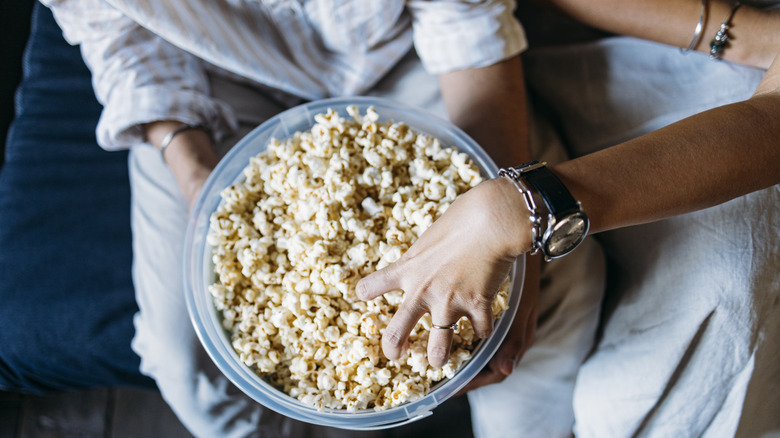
(507,366)
(360,292)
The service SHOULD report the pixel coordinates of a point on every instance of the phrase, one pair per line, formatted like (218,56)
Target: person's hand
(190,156)
(455,268)
(195,185)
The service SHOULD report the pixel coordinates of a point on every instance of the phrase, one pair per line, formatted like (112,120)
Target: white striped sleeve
(457,34)
(137,76)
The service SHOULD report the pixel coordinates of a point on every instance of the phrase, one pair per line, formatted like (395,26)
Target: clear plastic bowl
(199,269)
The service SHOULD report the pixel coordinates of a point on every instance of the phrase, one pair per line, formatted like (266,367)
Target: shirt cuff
(120,123)
(487,35)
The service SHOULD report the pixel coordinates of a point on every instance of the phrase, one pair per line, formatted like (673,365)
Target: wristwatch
(565,225)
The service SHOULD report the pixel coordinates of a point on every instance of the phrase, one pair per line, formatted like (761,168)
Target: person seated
(181,82)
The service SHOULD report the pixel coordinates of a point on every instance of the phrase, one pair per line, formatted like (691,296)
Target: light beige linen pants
(535,401)
(690,345)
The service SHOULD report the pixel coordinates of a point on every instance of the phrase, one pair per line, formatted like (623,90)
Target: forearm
(138,76)
(753,33)
(699,162)
(489,103)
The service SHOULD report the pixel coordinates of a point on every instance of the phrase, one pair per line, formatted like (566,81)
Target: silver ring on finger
(452,326)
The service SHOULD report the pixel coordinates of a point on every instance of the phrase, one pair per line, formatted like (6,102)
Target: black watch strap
(556,196)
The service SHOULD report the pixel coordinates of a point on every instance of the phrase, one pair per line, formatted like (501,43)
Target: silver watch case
(563,235)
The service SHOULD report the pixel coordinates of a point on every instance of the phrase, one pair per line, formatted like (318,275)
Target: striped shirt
(150,59)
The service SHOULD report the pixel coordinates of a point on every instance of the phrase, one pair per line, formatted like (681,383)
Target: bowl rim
(204,316)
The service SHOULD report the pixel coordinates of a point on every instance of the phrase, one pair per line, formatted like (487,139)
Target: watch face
(566,235)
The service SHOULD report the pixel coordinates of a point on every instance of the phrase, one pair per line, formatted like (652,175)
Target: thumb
(379,282)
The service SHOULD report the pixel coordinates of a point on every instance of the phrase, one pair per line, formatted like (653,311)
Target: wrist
(155,132)
(558,222)
(189,154)
(512,217)
(191,162)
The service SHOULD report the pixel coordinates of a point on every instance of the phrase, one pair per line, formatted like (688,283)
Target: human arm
(489,223)
(681,168)
(190,155)
(754,38)
(140,78)
(698,162)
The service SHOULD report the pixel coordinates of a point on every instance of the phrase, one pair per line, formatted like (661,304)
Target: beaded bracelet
(718,44)
(699,27)
(169,137)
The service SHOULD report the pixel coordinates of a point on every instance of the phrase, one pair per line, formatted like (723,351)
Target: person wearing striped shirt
(230,65)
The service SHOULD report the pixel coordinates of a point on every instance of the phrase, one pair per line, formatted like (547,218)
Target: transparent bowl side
(199,269)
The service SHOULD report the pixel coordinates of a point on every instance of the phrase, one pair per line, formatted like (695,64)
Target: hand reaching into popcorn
(454,270)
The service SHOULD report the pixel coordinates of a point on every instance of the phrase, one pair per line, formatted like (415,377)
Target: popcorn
(314,214)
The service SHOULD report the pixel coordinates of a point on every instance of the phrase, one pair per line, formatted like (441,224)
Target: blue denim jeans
(65,252)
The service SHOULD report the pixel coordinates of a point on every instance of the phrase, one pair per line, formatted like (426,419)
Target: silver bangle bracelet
(536,220)
(169,137)
(718,44)
(699,28)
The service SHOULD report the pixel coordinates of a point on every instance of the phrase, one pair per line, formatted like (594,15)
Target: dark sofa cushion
(65,252)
